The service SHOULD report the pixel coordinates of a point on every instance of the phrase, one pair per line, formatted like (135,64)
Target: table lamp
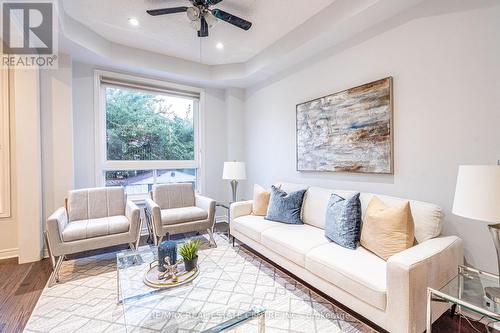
(234,171)
(477,197)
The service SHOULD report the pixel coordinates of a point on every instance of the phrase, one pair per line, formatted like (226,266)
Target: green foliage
(189,250)
(142,126)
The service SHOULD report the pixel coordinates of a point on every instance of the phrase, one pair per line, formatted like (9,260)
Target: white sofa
(392,293)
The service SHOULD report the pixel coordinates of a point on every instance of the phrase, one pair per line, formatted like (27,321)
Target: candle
(166,249)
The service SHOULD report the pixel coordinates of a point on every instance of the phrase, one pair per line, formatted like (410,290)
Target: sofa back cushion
(285,206)
(427,217)
(93,203)
(291,187)
(169,196)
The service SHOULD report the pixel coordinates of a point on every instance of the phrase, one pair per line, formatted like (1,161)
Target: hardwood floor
(21,286)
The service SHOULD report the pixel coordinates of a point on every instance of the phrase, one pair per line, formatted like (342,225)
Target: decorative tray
(151,278)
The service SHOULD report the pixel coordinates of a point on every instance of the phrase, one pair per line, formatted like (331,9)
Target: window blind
(105,81)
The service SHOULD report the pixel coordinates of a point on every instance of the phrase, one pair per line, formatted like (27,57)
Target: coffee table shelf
(212,302)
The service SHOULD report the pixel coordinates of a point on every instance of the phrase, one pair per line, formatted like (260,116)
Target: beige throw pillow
(260,200)
(387,230)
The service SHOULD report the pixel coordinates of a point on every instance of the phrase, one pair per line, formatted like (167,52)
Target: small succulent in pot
(189,252)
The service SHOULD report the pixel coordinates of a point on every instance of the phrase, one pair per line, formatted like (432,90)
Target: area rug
(85,299)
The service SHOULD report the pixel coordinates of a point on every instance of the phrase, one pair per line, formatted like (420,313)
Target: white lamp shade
(477,194)
(234,171)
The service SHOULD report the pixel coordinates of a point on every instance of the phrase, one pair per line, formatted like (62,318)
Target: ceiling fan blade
(203,32)
(163,11)
(213,2)
(234,20)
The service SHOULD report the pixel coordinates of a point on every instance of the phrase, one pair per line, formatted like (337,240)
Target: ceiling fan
(202,16)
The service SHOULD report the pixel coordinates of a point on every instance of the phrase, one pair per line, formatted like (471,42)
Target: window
(148,132)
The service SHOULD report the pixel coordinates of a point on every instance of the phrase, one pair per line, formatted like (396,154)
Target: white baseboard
(9,253)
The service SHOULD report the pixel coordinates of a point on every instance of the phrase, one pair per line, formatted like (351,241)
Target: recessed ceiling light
(219,45)
(133,21)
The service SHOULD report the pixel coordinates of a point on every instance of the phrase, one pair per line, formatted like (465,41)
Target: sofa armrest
(155,212)
(133,214)
(208,205)
(432,263)
(240,208)
(54,227)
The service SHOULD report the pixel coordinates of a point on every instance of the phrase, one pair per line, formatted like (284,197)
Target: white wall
(446,91)
(235,113)
(8,226)
(25,108)
(214,133)
(57,134)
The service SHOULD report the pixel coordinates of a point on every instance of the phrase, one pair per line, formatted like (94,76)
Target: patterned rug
(85,299)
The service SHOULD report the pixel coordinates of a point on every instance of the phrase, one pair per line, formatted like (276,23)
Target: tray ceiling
(172,34)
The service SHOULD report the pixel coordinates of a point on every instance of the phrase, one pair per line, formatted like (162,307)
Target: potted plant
(189,252)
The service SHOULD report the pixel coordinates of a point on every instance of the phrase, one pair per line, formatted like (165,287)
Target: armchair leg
(57,266)
(52,258)
(212,242)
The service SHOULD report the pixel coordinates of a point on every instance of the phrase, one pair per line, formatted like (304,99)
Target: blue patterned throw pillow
(343,220)
(285,207)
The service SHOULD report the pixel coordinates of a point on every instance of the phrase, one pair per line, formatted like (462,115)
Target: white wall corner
(26,107)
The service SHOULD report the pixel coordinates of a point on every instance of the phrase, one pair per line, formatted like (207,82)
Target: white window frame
(101,162)
(4,144)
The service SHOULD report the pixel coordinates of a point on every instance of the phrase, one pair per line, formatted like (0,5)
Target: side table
(226,205)
(466,290)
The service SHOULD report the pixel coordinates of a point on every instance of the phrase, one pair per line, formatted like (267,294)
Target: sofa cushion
(428,218)
(260,200)
(315,203)
(104,226)
(95,203)
(387,230)
(252,226)
(291,187)
(183,214)
(293,241)
(285,207)
(359,272)
(343,220)
(173,195)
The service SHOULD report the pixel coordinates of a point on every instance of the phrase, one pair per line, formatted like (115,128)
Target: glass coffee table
(212,302)
(466,290)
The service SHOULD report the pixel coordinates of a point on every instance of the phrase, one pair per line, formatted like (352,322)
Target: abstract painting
(349,131)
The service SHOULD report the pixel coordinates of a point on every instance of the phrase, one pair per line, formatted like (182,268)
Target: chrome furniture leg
(212,242)
(57,266)
(262,322)
(55,261)
(429,311)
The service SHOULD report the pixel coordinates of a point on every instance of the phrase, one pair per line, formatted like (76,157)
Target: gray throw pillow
(285,207)
(343,220)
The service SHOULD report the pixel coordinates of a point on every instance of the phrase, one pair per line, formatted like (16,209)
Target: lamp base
(492,299)
(234,188)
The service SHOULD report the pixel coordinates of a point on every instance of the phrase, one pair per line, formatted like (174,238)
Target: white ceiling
(172,34)
(281,40)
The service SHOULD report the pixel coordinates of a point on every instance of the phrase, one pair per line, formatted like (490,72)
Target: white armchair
(93,218)
(174,209)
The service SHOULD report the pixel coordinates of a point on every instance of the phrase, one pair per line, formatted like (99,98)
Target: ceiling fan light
(196,25)
(211,20)
(193,13)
